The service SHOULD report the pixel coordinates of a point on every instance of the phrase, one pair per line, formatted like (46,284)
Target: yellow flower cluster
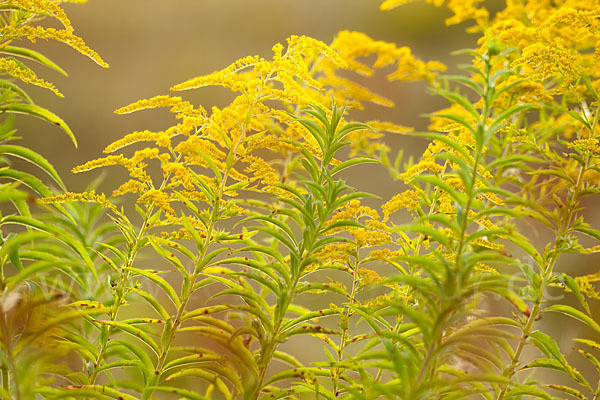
(161,138)
(384,254)
(65,36)
(353,46)
(336,253)
(21,72)
(425,164)
(586,146)
(586,286)
(408,199)
(42,7)
(369,277)
(389,4)
(154,102)
(90,197)
(375,232)
(160,199)
(226,77)
(262,171)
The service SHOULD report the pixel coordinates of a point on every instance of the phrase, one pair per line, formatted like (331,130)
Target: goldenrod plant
(236,242)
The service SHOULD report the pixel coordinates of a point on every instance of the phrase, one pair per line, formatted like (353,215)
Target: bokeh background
(154,44)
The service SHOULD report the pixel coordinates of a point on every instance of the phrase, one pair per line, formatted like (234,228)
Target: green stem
(448,307)
(346,314)
(546,275)
(12,366)
(125,274)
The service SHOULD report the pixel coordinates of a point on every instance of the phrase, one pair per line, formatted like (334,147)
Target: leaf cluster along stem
(545,279)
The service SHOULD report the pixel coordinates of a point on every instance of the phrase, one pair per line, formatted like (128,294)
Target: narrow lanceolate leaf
(160,282)
(42,113)
(153,302)
(61,235)
(84,391)
(32,55)
(518,391)
(169,256)
(17,241)
(133,331)
(8,86)
(207,376)
(181,393)
(572,312)
(574,287)
(90,304)
(567,390)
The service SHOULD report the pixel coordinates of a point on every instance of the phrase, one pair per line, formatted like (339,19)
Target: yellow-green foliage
(247,217)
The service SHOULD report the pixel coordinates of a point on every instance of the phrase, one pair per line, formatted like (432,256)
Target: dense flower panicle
(353,46)
(154,102)
(159,198)
(226,77)
(90,196)
(426,164)
(586,146)
(369,277)
(375,232)
(161,138)
(384,254)
(24,74)
(261,170)
(389,4)
(465,10)
(43,7)
(308,45)
(336,253)
(194,146)
(101,162)
(131,186)
(408,199)
(67,37)
(540,62)
(524,92)
(385,126)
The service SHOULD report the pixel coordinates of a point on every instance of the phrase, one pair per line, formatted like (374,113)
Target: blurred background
(154,44)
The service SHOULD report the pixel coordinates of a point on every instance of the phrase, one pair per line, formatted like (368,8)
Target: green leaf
(299,373)
(202,374)
(160,282)
(34,158)
(567,390)
(167,255)
(182,393)
(83,391)
(574,287)
(9,86)
(133,331)
(32,55)
(572,312)
(39,112)
(351,162)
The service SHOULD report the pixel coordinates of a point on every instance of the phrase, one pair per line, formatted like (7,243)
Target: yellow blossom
(158,198)
(161,139)
(369,277)
(420,167)
(102,162)
(21,72)
(408,199)
(154,102)
(65,36)
(131,186)
(90,196)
